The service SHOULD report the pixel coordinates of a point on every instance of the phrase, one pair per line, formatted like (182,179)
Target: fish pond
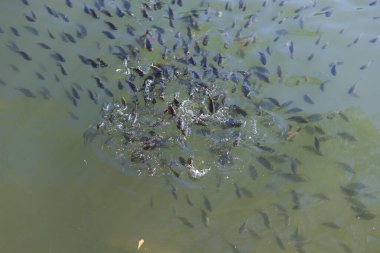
(189,126)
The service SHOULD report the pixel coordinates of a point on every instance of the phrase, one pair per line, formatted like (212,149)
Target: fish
(317,145)
(28,93)
(308,99)
(279,242)
(263,59)
(290,45)
(188,200)
(265,218)
(69,3)
(242,227)
(352,90)
(237,190)
(265,162)
(44,46)
(58,57)
(252,172)
(347,136)
(186,222)
(110,25)
(205,218)
(296,200)
(330,225)
(298,119)
(109,35)
(24,55)
(207,203)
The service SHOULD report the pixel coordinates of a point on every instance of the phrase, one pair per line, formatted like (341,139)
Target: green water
(62,194)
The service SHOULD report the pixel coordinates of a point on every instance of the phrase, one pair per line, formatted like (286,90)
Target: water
(63,194)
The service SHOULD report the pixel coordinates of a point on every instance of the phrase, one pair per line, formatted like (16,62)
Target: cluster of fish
(183,104)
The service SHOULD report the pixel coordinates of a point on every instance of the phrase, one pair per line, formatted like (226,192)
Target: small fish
(108,34)
(110,25)
(290,45)
(69,3)
(317,145)
(375,39)
(252,171)
(186,222)
(265,162)
(352,90)
(279,242)
(298,119)
(265,218)
(207,203)
(188,200)
(308,99)
(43,45)
(296,200)
(58,57)
(205,218)
(330,225)
(263,59)
(242,227)
(347,136)
(28,93)
(237,190)
(24,55)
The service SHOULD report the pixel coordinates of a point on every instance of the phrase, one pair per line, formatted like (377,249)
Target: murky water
(275,184)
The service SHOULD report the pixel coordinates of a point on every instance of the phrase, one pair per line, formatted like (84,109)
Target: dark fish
(330,225)
(262,76)
(333,69)
(347,136)
(205,40)
(75,93)
(298,119)
(279,242)
(185,221)
(308,99)
(279,71)
(245,192)
(345,247)
(265,218)
(252,171)
(40,76)
(82,31)
(31,18)
(93,96)
(263,59)
(374,40)
(322,85)
(205,218)
(317,145)
(110,25)
(25,2)
(32,30)
(250,21)
(242,227)
(264,162)
(58,57)
(44,92)
(119,12)
(352,90)
(188,200)
(51,11)
(274,101)
(290,45)
(237,109)
(28,93)
(237,190)
(296,200)
(43,45)
(69,3)
(207,203)
(3,83)
(108,34)
(24,55)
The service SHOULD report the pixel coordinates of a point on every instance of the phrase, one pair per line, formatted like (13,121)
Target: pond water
(270,146)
